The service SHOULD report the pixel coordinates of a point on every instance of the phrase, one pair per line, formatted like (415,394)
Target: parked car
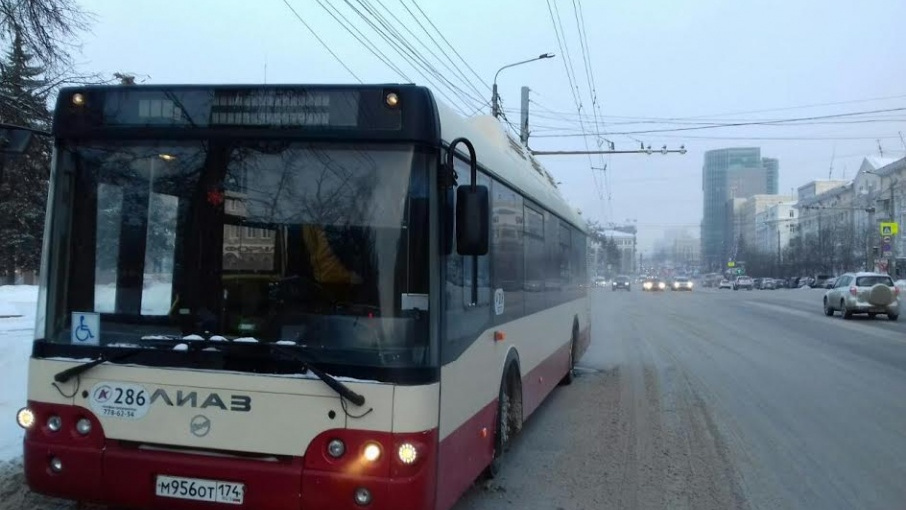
(768,284)
(724,284)
(869,293)
(829,283)
(819,280)
(743,282)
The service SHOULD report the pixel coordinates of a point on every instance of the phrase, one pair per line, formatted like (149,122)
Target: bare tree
(50,28)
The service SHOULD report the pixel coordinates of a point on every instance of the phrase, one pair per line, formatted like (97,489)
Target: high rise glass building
(728,174)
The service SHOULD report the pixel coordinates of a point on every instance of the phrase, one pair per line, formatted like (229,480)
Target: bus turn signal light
(499,336)
(407,453)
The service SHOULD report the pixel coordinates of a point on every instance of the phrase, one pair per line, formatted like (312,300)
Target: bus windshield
(324,245)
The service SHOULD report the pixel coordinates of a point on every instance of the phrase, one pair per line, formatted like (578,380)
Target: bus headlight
(83,426)
(336,448)
(25,418)
(407,453)
(362,496)
(372,452)
(54,423)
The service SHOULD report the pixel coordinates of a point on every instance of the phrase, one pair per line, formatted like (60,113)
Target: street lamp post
(495,98)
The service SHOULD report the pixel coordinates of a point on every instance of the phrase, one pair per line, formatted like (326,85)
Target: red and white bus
(274,297)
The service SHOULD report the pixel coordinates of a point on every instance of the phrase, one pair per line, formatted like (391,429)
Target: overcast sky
(695,61)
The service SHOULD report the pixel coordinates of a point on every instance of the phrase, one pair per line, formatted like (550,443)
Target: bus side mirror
(14,140)
(472,213)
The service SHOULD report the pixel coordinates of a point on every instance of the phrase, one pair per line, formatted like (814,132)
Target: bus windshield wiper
(328,379)
(69,373)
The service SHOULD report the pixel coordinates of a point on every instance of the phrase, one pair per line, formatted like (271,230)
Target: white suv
(870,293)
(743,282)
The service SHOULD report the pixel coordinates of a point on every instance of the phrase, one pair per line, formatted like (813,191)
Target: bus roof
(497,153)
(508,160)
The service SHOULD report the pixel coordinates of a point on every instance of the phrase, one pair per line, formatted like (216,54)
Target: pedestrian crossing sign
(889,229)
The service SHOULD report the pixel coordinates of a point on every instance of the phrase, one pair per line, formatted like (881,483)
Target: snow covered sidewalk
(16,335)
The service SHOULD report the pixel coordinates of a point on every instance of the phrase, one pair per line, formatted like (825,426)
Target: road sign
(886,239)
(731,264)
(889,228)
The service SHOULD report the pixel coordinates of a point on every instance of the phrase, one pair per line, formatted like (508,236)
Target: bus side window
(535,257)
(507,218)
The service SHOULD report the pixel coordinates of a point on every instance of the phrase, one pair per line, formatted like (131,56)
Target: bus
(281,296)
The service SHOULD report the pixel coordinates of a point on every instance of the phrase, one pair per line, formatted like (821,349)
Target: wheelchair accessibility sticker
(86,328)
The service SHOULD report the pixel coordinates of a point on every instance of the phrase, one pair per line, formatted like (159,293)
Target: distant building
(774,228)
(751,208)
(626,243)
(728,174)
(686,252)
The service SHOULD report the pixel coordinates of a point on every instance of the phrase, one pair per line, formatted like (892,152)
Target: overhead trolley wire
(326,47)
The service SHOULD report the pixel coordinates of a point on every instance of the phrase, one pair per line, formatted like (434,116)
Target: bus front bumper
(110,472)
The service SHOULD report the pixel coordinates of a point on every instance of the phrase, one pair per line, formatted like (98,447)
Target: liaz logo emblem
(237,403)
(102,394)
(200,426)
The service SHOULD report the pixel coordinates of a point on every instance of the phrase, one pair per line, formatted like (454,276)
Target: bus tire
(571,371)
(509,418)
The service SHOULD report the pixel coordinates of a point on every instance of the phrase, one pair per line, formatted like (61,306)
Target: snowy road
(719,400)
(709,400)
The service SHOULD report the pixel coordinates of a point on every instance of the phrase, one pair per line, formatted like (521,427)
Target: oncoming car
(682,283)
(724,284)
(621,282)
(654,284)
(869,293)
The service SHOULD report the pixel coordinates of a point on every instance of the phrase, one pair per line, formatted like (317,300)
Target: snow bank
(14,495)
(16,335)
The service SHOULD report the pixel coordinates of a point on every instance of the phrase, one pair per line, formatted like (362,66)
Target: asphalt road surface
(718,400)
(704,400)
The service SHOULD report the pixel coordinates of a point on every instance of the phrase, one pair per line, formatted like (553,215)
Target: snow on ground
(16,335)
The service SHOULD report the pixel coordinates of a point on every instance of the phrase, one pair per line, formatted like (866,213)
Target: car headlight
(661,285)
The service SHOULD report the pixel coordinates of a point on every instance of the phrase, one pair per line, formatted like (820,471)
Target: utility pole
(892,261)
(523,121)
(495,97)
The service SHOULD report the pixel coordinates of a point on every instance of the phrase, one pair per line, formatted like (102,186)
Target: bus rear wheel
(571,370)
(509,419)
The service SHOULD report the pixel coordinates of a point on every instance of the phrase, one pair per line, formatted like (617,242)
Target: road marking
(885,334)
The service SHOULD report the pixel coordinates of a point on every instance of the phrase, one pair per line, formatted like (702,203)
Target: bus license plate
(200,490)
